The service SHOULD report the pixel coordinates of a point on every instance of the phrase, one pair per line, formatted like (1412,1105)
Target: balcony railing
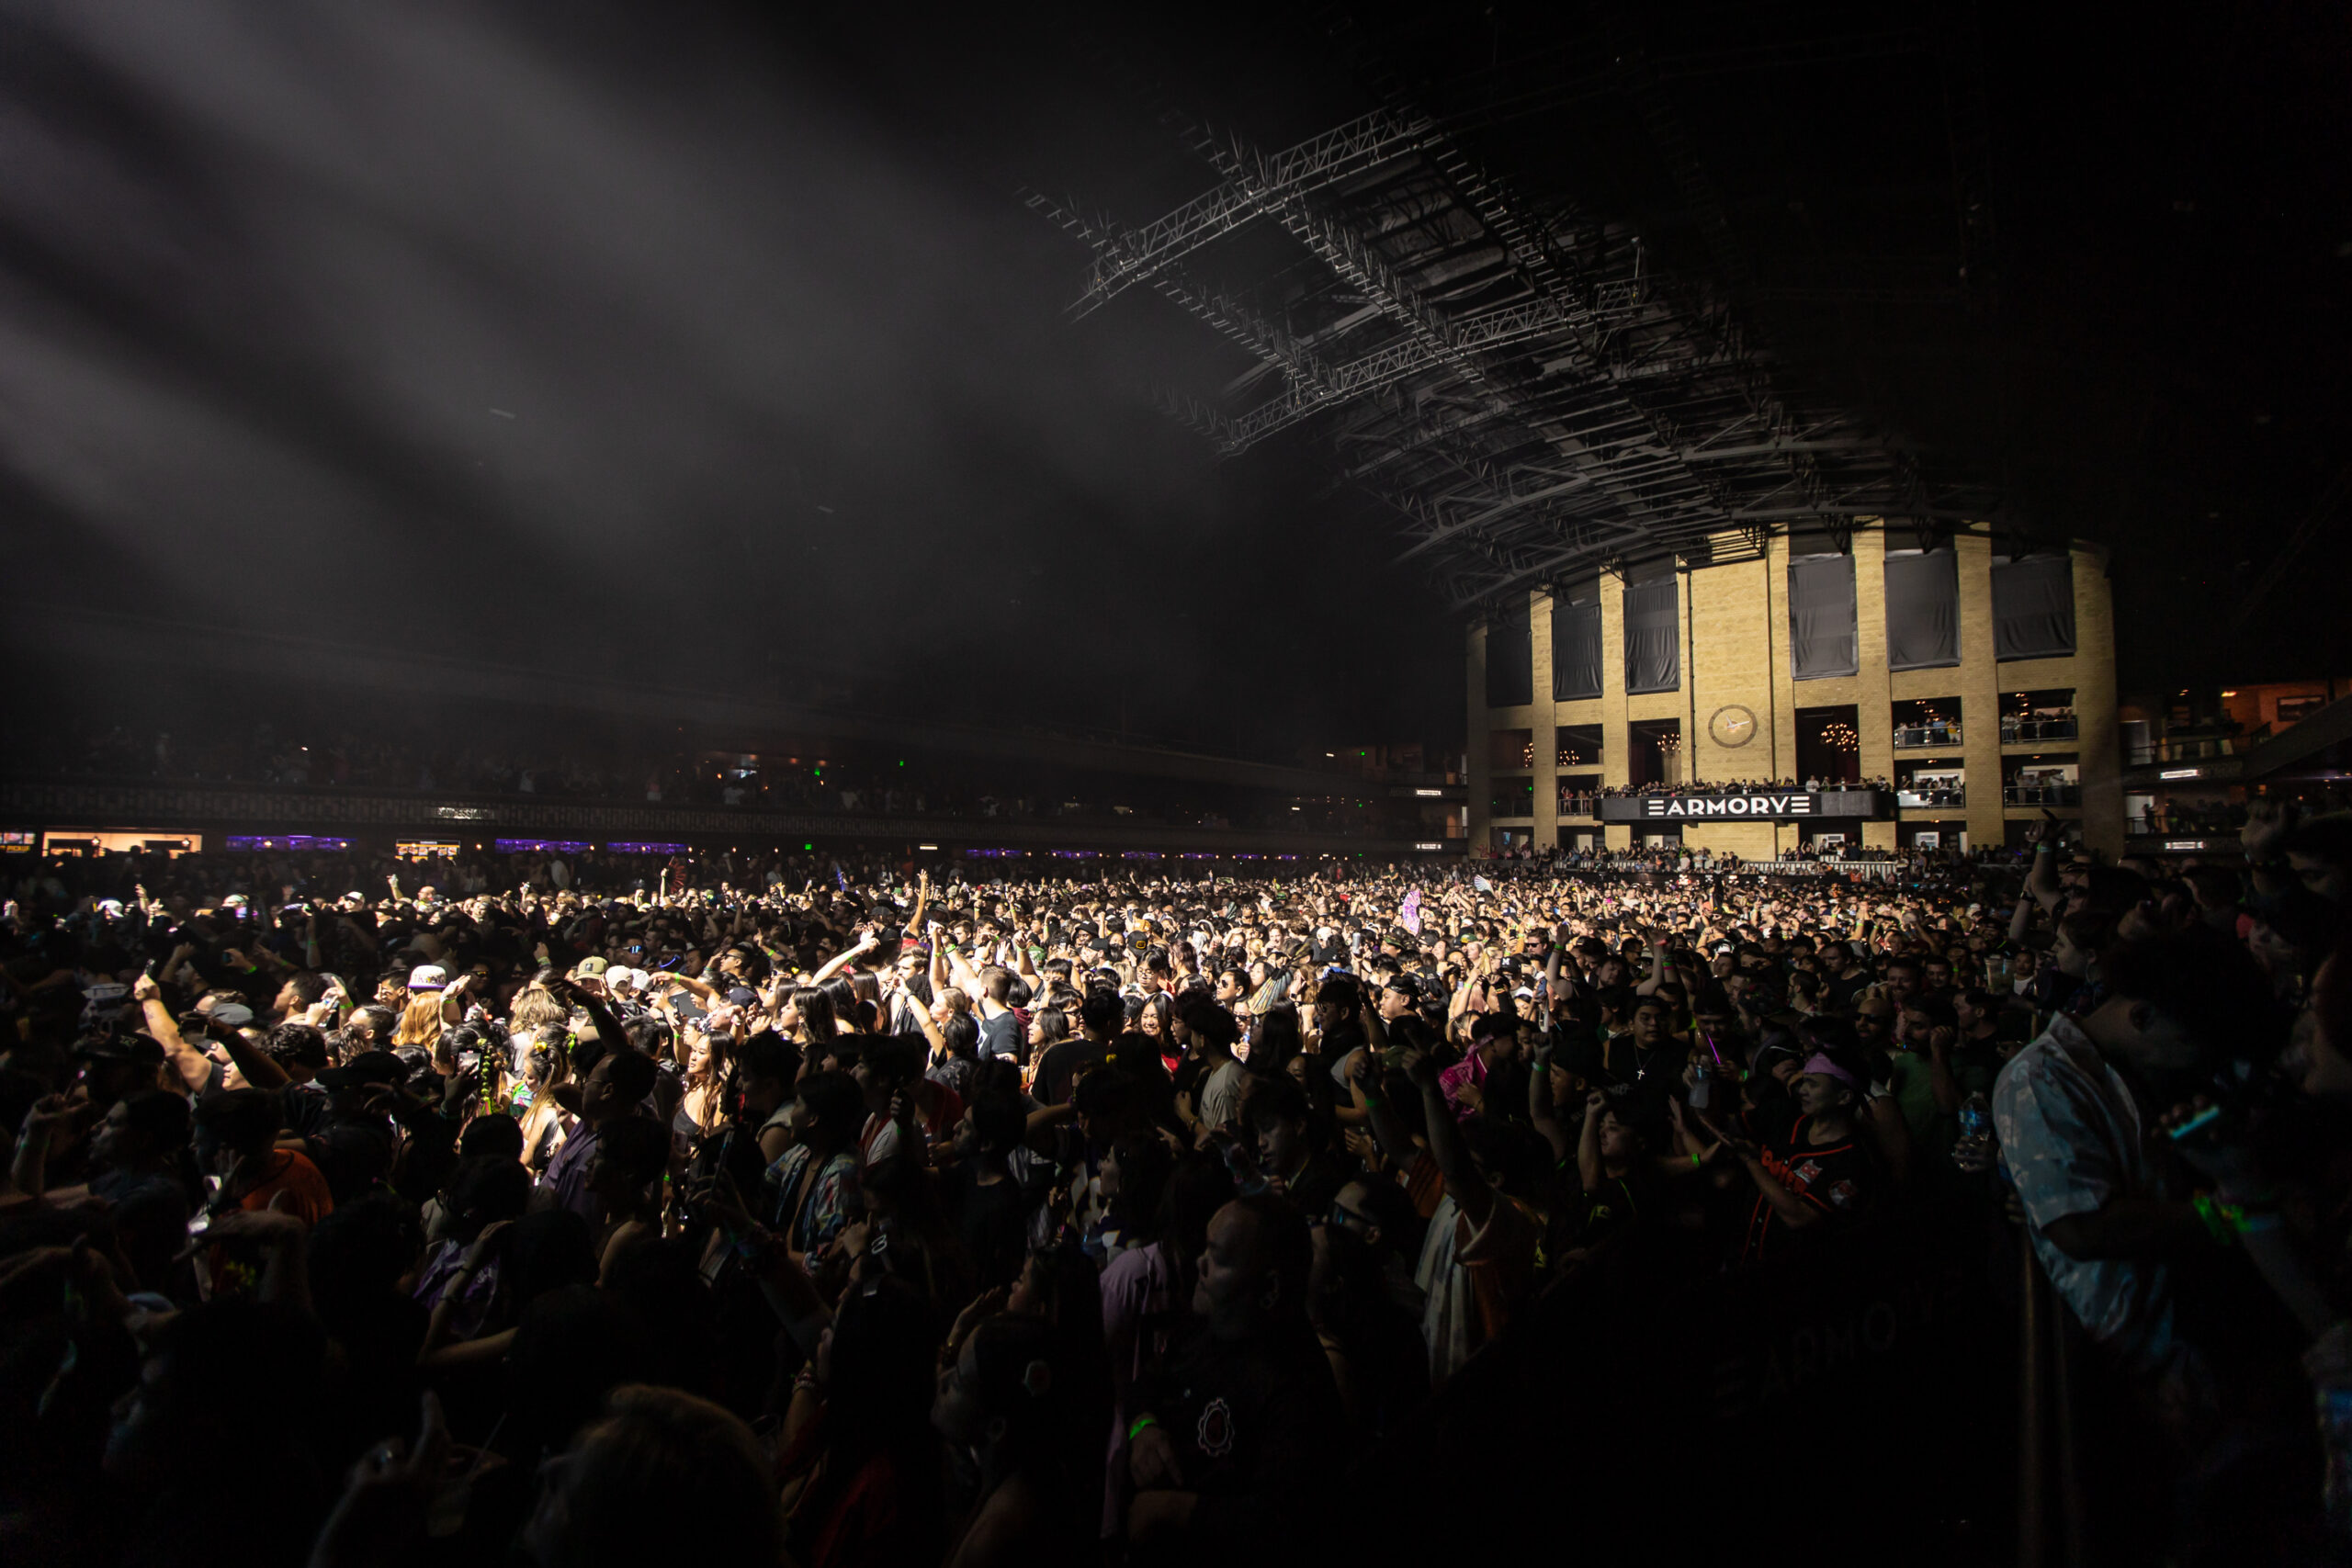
(2043,794)
(1579,805)
(1939,795)
(2027,731)
(1915,737)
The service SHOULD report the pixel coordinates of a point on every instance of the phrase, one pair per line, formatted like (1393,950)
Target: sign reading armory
(1760,805)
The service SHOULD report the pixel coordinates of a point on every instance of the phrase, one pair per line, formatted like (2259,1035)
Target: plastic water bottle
(1976,1116)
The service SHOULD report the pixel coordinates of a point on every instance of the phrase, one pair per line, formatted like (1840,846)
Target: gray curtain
(1510,661)
(1575,650)
(1821,617)
(1653,638)
(2034,607)
(1922,610)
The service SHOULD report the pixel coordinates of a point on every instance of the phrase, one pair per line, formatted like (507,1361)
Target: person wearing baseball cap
(1821,1173)
(117,1064)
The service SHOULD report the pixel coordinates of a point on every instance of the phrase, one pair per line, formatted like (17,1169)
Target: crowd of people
(841,1216)
(1736,786)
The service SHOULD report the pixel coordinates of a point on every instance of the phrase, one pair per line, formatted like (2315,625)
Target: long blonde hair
(421,1024)
(536,1006)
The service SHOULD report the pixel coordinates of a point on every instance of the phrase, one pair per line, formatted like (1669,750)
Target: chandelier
(1840,738)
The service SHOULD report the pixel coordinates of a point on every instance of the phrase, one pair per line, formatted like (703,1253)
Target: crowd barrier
(1869,870)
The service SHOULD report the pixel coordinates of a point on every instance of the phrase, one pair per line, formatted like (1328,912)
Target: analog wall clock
(1731,725)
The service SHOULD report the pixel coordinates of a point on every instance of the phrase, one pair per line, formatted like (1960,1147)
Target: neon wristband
(1142,1421)
(2217,1221)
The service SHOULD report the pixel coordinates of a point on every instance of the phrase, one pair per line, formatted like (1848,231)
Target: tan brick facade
(1734,637)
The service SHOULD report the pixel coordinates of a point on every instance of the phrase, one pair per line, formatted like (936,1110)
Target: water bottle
(1700,1091)
(2334,1396)
(1976,1116)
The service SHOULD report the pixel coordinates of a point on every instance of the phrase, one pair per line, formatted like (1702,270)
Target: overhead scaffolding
(1514,380)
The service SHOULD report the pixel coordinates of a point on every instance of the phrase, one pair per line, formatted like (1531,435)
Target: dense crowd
(1739,787)
(810,1212)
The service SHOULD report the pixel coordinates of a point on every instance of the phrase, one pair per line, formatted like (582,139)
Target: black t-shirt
(1001,1036)
(1841,991)
(1838,1179)
(1255,1423)
(1063,1063)
(1627,1065)
(992,1221)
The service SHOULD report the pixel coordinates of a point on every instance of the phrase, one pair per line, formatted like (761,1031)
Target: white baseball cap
(427,977)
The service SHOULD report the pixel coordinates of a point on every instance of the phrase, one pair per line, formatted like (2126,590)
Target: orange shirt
(291,1172)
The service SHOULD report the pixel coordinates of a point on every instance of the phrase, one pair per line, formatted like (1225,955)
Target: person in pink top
(1494,1043)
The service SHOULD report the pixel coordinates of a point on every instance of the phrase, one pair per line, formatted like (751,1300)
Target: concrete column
(1614,740)
(1978,683)
(1873,699)
(2099,752)
(1478,748)
(1546,725)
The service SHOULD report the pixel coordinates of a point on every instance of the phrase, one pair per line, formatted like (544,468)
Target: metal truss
(1517,383)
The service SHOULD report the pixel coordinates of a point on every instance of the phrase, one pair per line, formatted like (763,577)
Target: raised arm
(261,1070)
(194,1067)
(864,945)
(1363,1083)
(1589,1172)
(2043,880)
(1540,1109)
(1447,1146)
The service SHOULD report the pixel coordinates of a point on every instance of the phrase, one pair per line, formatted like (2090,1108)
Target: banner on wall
(1757,805)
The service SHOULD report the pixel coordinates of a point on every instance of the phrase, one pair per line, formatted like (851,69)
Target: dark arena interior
(1071,787)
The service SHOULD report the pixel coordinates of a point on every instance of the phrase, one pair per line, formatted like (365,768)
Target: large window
(1510,750)
(1511,798)
(2030,717)
(1653,752)
(1580,746)
(2040,781)
(1928,723)
(1830,745)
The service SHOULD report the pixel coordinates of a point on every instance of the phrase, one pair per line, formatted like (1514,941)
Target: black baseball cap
(121,1045)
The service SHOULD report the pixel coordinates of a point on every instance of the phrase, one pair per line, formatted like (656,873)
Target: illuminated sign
(1428,794)
(1757,806)
(2182,773)
(1438,846)
(463,813)
(424,849)
(641,847)
(286,841)
(126,840)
